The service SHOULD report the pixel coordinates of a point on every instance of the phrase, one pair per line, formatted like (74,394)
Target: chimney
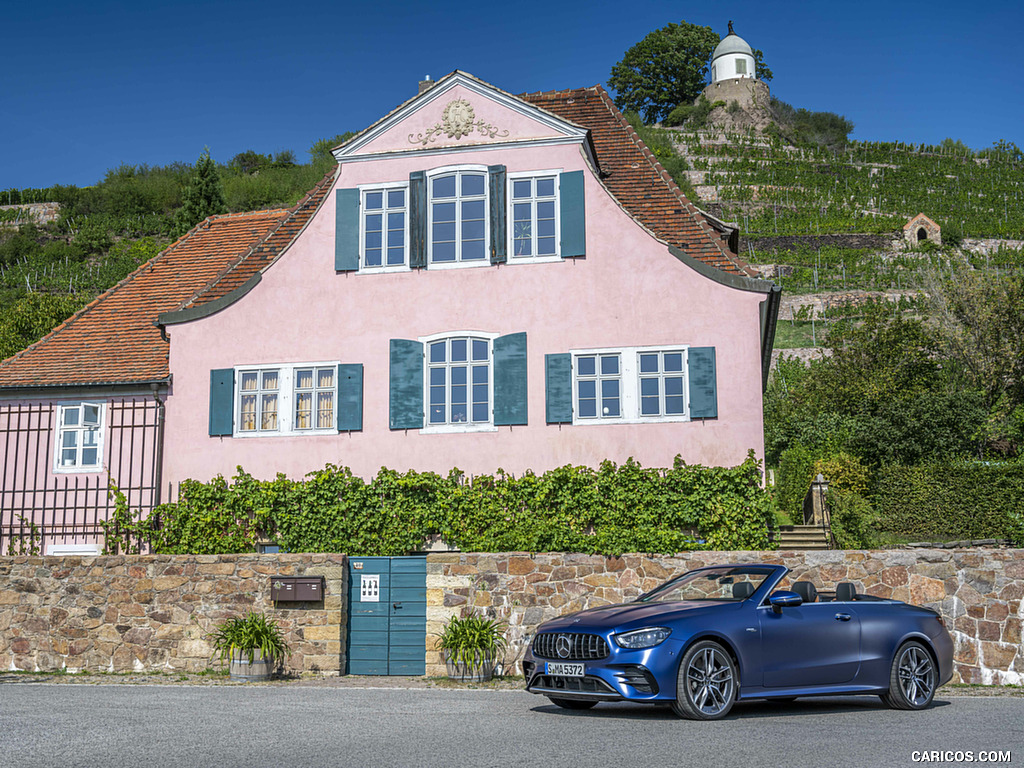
(426,84)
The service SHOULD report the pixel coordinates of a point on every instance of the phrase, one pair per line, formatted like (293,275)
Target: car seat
(806,590)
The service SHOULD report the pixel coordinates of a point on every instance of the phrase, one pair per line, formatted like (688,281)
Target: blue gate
(387,609)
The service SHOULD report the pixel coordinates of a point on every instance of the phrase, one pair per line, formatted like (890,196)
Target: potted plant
(471,646)
(254,645)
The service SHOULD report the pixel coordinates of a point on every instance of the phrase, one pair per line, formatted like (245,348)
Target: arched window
(921,234)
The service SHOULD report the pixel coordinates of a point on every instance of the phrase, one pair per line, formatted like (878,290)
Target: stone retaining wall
(154,612)
(978,592)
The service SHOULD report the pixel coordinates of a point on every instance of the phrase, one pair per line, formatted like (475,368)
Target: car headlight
(642,638)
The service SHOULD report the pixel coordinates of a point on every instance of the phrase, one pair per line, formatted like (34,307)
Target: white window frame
(510,220)
(598,378)
(440,429)
(285,400)
(661,375)
(60,468)
(629,386)
(458,263)
(384,187)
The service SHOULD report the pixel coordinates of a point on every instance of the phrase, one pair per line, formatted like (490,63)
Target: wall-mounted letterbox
(296,588)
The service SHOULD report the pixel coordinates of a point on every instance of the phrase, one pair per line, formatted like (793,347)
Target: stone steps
(801,537)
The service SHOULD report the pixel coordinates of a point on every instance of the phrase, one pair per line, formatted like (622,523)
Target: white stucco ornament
(457,120)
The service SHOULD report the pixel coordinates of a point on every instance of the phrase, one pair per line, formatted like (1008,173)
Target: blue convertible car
(714,635)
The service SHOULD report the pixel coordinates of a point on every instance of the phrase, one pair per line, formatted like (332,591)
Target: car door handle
(396,606)
(843,617)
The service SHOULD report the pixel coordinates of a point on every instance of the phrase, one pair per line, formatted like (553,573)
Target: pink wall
(628,291)
(509,125)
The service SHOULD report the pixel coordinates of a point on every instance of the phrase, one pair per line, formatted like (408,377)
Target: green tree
(320,152)
(980,320)
(667,68)
(202,195)
(31,317)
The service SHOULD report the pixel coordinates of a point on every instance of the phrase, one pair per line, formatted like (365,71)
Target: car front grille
(573,685)
(581,647)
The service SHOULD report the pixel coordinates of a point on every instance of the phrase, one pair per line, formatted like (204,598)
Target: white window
(259,394)
(458,381)
(79,437)
(741,66)
(457,225)
(384,223)
(533,223)
(598,386)
(661,384)
(630,385)
(314,398)
(286,400)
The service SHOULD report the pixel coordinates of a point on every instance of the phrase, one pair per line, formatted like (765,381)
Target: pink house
(484,281)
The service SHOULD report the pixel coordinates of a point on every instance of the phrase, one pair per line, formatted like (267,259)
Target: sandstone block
(996,655)
(164,583)
(318,634)
(520,566)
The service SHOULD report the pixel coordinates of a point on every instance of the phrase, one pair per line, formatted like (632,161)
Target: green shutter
(499,251)
(572,207)
(350,397)
(558,388)
(418,219)
(346,230)
(703,384)
(406,408)
(510,379)
(222,401)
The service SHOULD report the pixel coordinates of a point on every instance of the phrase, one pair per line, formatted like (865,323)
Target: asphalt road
(108,726)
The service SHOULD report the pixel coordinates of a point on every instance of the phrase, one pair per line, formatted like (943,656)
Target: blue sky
(87,86)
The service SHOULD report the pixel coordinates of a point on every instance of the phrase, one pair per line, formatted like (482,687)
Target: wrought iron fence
(35,501)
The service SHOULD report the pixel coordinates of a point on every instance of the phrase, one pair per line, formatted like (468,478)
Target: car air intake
(569,646)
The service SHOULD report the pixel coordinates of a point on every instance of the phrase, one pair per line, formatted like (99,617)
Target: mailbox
(293,589)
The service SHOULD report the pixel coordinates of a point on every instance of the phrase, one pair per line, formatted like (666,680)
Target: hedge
(609,510)
(956,500)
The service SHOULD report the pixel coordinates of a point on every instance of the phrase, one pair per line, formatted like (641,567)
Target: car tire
(912,678)
(707,682)
(572,703)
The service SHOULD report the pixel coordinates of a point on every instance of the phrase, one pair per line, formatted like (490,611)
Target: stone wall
(35,213)
(154,612)
(978,592)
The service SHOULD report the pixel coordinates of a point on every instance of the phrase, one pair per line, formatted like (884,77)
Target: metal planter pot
(476,670)
(259,669)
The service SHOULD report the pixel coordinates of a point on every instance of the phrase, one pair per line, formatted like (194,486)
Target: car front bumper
(647,674)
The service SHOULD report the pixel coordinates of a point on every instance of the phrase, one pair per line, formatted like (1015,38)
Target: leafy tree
(31,317)
(760,68)
(320,152)
(249,161)
(980,317)
(202,195)
(667,68)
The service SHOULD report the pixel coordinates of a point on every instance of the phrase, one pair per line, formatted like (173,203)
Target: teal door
(387,624)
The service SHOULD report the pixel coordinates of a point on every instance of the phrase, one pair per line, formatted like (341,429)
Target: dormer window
(458,217)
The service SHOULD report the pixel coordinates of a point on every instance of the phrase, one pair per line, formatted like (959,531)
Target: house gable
(459,113)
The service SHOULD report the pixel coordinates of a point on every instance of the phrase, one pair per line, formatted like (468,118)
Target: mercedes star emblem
(563,646)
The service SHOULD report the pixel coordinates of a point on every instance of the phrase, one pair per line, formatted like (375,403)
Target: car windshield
(728,583)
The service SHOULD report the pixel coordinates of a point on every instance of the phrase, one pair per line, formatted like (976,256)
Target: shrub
(796,471)
(954,500)
(611,510)
(853,519)
(472,639)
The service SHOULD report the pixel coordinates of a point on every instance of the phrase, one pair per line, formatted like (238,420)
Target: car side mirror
(784,599)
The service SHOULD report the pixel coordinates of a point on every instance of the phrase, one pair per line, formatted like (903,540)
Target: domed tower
(732,58)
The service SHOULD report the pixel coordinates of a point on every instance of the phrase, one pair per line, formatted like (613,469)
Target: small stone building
(921,228)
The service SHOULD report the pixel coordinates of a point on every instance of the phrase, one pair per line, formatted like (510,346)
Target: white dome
(733,58)
(732,43)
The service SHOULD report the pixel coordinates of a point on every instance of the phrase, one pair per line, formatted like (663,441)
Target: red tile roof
(113,340)
(635,177)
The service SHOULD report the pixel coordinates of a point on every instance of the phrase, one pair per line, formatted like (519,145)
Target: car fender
(710,634)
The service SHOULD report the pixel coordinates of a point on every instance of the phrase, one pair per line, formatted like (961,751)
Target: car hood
(625,616)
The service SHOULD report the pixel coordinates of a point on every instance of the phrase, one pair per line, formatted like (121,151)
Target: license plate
(565,670)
